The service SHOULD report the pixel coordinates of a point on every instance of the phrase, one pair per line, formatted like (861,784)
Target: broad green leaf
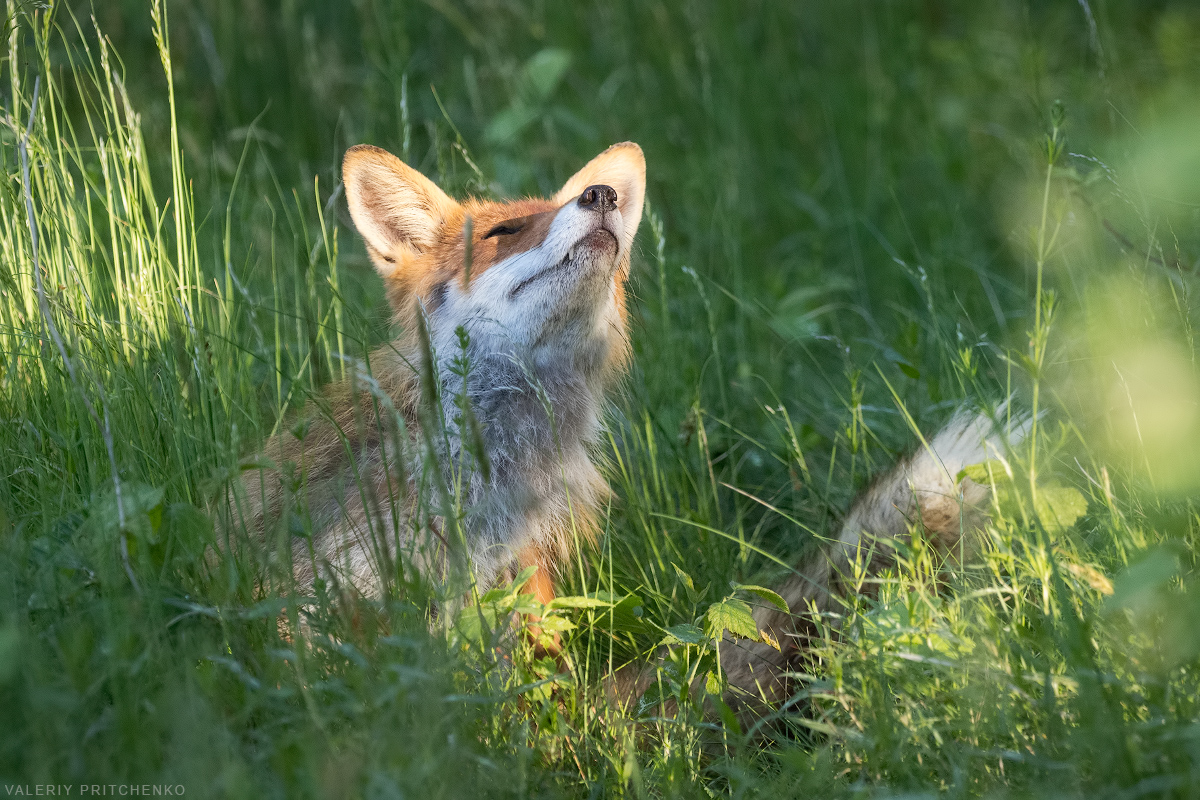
(143,514)
(1139,585)
(770,596)
(581,601)
(715,684)
(683,634)
(523,578)
(623,613)
(544,70)
(508,124)
(626,614)
(731,615)
(555,624)
(190,527)
(982,472)
(494,595)
(1059,507)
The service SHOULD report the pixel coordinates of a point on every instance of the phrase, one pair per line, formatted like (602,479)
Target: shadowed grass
(860,216)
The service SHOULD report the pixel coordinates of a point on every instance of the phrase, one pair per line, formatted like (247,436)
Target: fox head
(544,278)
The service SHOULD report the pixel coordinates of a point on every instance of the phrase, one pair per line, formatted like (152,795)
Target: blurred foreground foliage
(860,214)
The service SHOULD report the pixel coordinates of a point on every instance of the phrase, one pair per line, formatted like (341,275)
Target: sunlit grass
(846,241)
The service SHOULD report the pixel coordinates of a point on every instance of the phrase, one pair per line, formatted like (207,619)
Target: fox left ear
(623,167)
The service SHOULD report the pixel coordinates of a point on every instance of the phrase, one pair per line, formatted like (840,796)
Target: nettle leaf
(523,578)
(554,624)
(688,584)
(626,614)
(731,615)
(1059,507)
(684,634)
(983,472)
(494,595)
(715,684)
(619,613)
(772,597)
(600,600)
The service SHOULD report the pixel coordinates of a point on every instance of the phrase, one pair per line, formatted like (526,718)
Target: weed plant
(860,217)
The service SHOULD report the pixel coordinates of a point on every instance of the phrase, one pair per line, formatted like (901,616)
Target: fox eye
(504,229)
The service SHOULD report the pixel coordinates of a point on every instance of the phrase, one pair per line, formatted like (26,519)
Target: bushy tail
(922,489)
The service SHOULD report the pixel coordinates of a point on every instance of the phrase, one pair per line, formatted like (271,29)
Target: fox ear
(623,167)
(398,211)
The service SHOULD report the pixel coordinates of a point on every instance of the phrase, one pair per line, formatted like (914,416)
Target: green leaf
(264,609)
(300,429)
(1059,507)
(508,124)
(581,601)
(715,684)
(728,718)
(143,510)
(190,528)
(771,597)
(496,594)
(1139,585)
(731,615)
(626,614)
(623,613)
(688,584)
(544,70)
(522,578)
(683,634)
(982,472)
(554,624)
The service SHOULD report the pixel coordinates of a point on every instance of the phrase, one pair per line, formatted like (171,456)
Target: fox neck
(529,402)
(538,408)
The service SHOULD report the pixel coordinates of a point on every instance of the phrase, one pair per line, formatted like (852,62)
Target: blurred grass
(845,199)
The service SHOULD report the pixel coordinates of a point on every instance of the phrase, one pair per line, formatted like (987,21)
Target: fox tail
(926,489)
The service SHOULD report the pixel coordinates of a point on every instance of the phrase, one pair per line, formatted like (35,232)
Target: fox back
(474,425)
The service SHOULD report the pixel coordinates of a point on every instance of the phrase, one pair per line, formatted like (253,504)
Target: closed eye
(504,229)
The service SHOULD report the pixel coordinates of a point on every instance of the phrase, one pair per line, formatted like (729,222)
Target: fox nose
(599,198)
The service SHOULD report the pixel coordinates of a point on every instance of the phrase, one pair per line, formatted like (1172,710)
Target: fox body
(531,295)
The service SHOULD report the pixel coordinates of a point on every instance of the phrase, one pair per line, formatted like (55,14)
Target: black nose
(599,198)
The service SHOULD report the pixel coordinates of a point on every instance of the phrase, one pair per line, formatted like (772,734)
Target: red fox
(519,307)
(530,295)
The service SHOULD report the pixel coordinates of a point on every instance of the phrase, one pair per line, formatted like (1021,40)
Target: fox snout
(599,198)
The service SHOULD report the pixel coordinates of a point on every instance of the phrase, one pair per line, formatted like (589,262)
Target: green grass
(859,214)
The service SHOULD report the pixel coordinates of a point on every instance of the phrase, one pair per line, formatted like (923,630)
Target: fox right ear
(398,211)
